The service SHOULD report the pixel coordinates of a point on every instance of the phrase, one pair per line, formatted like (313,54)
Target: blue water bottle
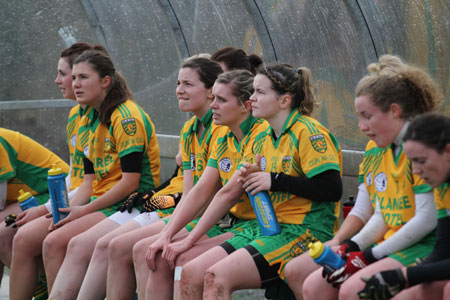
(26,200)
(58,193)
(324,256)
(265,214)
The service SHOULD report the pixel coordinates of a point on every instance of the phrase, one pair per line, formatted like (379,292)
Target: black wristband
(352,246)
(368,255)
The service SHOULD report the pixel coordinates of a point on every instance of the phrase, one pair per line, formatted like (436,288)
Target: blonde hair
(390,80)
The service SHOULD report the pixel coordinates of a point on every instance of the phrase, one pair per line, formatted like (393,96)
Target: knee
(116,248)
(52,243)
(101,248)
(139,251)
(77,248)
(21,242)
(213,282)
(192,274)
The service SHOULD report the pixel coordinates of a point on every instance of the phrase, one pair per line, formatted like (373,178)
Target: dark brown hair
(296,82)
(118,91)
(235,58)
(72,52)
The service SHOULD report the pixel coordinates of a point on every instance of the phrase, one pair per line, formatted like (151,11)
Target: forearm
(423,222)
(222,202)
(84,192)
(194,201)
(310,188)
(126,185)
(428,272)
(350,226)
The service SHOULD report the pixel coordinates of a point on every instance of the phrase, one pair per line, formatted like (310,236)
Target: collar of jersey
(206,120)
(290,121)
(246,128)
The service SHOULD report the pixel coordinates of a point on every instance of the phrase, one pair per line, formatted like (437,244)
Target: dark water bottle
(26,200)
(265,214)
(325,256)
(58,193)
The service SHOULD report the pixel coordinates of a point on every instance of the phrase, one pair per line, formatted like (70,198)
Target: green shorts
(278,249)
(162,213)
(214,231)
(420,249)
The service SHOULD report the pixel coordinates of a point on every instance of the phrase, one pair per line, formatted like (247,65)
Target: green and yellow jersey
(197,150)
(72,129)
(304,148)
(442,199)
(228,153)
(390,181)
(24,163)
(131,130)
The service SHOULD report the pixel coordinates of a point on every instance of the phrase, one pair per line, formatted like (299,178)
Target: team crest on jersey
(86,151)
(129,126)
(369,179)
(225,164)
(286,163)
(381,182)
(319,143)
(263,163)
(192,162)
(73,140)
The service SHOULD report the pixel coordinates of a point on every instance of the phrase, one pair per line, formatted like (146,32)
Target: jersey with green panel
(442,199)
(304,148)
(72,129)
(196,151)
(131,130)
(228,153)
(390,180)
(24,164)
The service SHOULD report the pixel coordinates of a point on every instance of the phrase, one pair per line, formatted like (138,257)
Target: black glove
(10,219)
(135,199)
(383,285)
(161,202)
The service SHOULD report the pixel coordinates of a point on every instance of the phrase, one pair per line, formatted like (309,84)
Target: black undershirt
(437,265)
(323,187)
(130,163)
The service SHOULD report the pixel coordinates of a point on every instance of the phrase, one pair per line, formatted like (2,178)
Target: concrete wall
(148,39)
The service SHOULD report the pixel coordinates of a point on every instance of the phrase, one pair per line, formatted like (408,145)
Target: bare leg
(447,290)
(7,234)
(316,287)
(94,283)
(236,271)
(350,288)
(200,247)
(427,291)
(121,282)
(296,272)
(191,284)
(27,249)
(73,269)
(55,244)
